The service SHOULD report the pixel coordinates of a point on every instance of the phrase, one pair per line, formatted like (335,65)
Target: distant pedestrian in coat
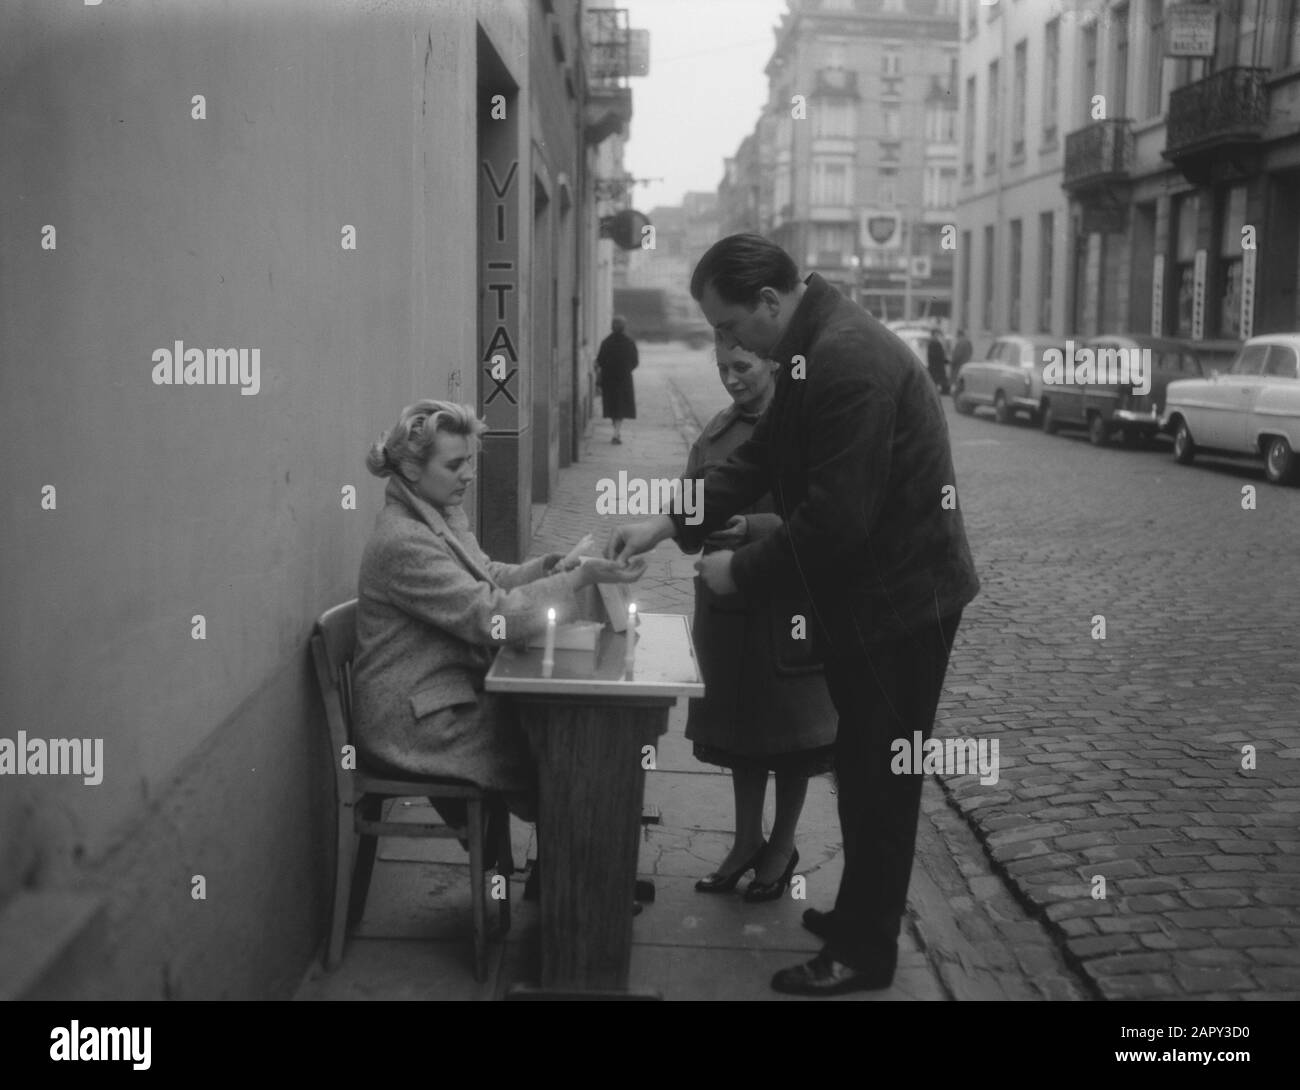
(430,607)
(961,353)
(615,362)
(765,706)
(937,360)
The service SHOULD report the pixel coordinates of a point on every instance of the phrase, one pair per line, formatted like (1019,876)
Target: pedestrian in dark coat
(615,362)
(854,449)
(937,360)
(765,706)
(961,353)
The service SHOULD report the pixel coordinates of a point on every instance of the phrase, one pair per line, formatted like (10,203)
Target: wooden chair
(361,793)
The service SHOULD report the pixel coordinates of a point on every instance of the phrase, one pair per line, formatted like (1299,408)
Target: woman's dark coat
(616,361)
(764,692)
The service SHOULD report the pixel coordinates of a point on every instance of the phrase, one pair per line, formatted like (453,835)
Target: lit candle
(548,653)
(631,637)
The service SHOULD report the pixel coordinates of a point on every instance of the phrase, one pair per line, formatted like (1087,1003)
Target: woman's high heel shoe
(758,891)
(718,883)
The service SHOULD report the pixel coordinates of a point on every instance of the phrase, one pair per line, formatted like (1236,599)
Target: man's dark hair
(739,265)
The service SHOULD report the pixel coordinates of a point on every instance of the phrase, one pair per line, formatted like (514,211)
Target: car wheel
(1047,419)
(959,402)
(1184,447)
(1001,411)
(1098,430)
(1280,462)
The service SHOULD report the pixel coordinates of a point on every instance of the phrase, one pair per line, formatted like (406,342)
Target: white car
(1252,409)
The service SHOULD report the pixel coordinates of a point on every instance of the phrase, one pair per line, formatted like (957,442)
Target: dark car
(1119,405)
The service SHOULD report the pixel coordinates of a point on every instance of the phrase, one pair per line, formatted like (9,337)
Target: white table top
(664,665)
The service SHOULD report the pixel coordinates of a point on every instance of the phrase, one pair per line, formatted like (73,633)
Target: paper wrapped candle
(631,636)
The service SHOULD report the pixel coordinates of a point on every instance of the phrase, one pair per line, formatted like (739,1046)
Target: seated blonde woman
(432,608)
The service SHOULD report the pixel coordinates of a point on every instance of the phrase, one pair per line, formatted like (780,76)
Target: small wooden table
(587,726)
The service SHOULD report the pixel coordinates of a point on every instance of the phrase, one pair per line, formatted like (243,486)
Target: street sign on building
(881,230)
(1190,30)
(638,52)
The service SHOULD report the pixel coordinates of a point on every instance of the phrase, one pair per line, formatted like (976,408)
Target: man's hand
(715,570)
(628,541)
(731,536)
(597,570)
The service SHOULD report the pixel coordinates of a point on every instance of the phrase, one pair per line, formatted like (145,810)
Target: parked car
(1253,409)
(1110,408)
(1009,378)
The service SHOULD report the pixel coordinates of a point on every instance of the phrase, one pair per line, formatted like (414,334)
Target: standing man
(961,352)
(854,449)
(615,362)
(937,361)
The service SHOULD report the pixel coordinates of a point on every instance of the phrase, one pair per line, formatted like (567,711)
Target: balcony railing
(1098,153)
(1228,107)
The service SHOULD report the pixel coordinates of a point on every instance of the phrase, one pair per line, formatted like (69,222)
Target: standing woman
(432,609)
(615,362)
(765,706)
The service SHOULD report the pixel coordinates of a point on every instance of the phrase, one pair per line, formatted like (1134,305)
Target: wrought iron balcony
(1098,154)
(1228,107)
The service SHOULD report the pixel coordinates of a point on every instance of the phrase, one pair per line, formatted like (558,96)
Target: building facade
(388,205)
(852,167)
(1178,197)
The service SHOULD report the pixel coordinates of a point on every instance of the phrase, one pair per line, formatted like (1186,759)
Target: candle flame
(550,614)
(631,609)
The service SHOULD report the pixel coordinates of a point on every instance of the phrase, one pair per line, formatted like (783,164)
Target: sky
(703,94)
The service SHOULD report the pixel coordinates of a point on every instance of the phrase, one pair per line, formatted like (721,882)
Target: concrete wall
(178,501)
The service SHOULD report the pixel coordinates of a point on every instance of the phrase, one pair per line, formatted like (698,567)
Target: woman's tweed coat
(428,602)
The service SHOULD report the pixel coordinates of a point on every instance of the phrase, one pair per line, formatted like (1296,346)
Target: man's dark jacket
(856,456)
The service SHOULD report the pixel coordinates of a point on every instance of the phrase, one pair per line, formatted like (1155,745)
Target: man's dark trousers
(882,692)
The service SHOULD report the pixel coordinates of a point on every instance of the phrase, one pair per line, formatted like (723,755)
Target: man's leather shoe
(822,976)
(819,923)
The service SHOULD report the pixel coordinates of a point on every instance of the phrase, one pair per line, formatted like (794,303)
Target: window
(891,64)
(1282,362)
(940,123)
(1247,33)
(1232,211)
(1154,105)
(1019,73)
(991,152)
(1013,302)
(1046,257)
(832,244)
(781,188)
(968,133)
(837,5)
(987,286)
(830,183)
(1089,71)
(1250,360)
(1118,104)
(940,187)
(1051,72)
(1186,212)
(1292,56)
(887,190)
(896,6)
(965,279)
(891,121)
(833,117)
(834,55)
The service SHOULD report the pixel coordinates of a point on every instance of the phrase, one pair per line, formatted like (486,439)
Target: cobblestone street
(1120,758)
